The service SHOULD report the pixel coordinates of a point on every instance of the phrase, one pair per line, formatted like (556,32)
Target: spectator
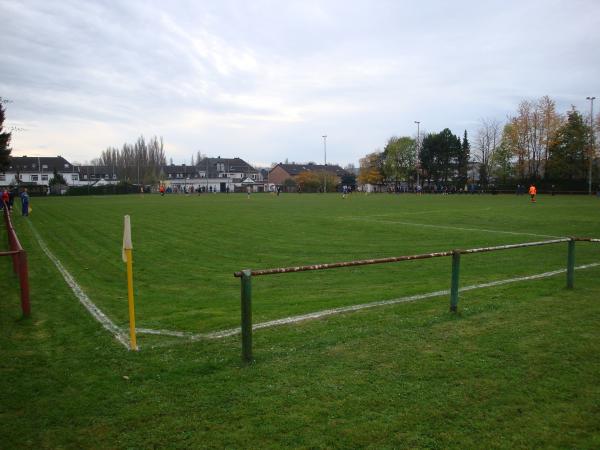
(24,202)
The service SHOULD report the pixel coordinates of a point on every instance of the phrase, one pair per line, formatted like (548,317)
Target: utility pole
(592,149)
(325,173)
(418,148)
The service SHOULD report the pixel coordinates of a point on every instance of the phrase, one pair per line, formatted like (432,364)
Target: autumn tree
(309,181)
(532,130)
(371,169)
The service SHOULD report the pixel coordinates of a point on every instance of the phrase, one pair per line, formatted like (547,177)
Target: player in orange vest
(532,192)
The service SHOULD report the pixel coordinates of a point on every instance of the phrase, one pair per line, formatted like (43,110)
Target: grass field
(517,367)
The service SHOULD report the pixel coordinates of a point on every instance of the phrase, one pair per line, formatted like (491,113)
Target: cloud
(265,80)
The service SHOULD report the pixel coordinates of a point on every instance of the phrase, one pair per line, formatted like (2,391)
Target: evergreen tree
(4,140)
(463,160)
(440,153)
(568,158)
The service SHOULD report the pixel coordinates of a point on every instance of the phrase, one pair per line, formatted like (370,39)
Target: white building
(213,175)
(38,171)
(209,175)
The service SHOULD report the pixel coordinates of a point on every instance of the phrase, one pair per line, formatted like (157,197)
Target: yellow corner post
(128,258)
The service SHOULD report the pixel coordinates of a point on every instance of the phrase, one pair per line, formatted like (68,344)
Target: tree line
(138,163)
(536,144)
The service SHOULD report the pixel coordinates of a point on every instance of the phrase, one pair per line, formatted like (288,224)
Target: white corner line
(121,336)
(96,312)
(329,312)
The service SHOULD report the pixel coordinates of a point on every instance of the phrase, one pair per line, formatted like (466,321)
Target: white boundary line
(447,227)
(81,296)
(121,336)
(345,309)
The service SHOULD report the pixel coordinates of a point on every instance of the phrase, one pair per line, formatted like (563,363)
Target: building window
(44,166)
(34,177)
(2,177)
(75,176)
(220,167)
(44,177)
(84,176)
(114,176)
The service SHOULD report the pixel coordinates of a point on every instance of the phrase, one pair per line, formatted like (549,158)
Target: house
(282,172)
(97,175)
(213,175)
(210,174)
(38,171)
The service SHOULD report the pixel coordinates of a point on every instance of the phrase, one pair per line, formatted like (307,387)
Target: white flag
(126,237)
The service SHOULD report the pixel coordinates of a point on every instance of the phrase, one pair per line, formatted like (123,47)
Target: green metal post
(246,316)
(455,276)
(571,265)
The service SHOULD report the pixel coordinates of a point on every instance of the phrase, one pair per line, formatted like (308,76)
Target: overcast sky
(265,80)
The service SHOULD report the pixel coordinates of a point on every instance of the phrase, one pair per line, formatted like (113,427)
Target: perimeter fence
(19,261)
(246,276)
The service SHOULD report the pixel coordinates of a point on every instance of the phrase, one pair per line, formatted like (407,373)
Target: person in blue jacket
(24,202)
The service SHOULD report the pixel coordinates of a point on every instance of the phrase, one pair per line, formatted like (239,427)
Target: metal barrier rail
(246,276)
(19,258)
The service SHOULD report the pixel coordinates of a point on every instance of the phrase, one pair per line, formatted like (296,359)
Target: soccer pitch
(186,249)
(516,367)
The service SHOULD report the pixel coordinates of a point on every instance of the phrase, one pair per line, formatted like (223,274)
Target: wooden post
(132,335)
(128,259)
(455,277)
(24,283)
(571,264)
(247,316)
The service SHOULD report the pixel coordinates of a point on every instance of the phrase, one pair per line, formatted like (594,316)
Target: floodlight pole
(325,173)
(418,147)
(592,152)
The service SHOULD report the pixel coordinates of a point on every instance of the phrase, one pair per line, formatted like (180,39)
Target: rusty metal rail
(246,276)
(19,258)
(364,262)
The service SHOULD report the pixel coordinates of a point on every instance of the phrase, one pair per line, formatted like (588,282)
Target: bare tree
(487,141)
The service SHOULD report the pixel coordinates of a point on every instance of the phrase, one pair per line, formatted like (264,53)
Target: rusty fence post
(246,316)
(455,278)
(24,282)
(571,264)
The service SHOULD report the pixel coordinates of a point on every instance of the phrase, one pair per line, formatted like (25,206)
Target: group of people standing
(8,199)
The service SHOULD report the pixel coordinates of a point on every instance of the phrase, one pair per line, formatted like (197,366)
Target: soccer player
(532,193)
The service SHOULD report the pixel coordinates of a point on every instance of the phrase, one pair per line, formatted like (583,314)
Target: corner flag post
(128,258)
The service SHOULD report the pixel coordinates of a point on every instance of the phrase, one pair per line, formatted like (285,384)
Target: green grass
(517,367)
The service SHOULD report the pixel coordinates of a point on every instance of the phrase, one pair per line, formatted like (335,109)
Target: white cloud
(265,80)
